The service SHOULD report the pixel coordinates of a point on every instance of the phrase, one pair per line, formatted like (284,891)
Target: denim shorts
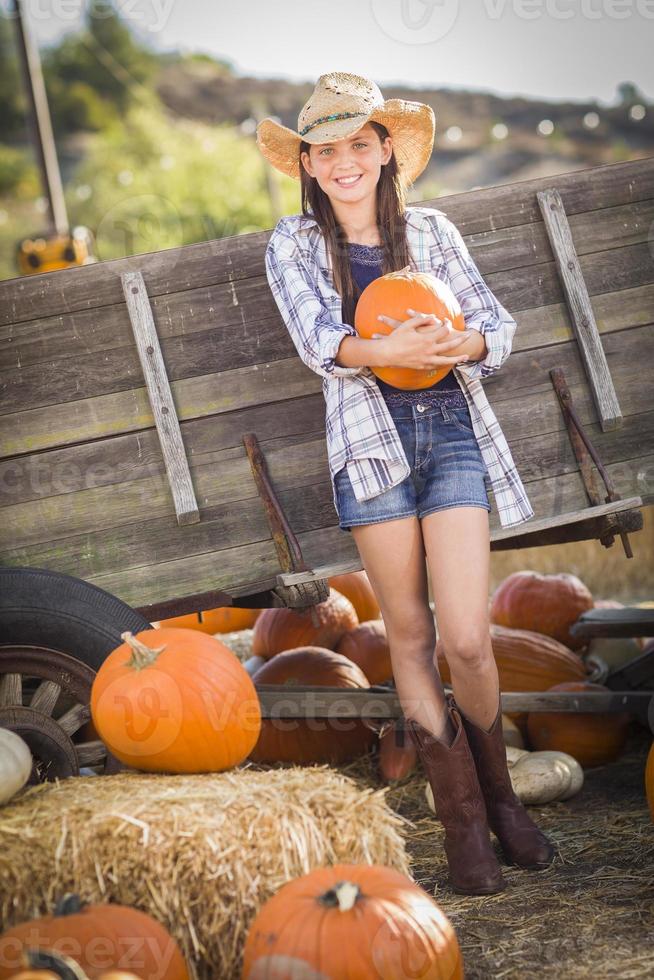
(447,467)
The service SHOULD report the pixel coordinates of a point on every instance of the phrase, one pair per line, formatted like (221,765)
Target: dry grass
(589,916)
(607,572)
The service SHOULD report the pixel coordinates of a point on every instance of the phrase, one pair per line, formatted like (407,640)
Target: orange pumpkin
(593,738)
(226,619)
(393,294)
(352,920)
(547,604)
(396,760)
(321,625)
(367,646)
(190,621)
(119,935)
(313,739)
(649,780)
(526,661)
(174,700)
(356,587)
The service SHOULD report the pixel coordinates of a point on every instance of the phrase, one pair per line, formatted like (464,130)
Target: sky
(578,50)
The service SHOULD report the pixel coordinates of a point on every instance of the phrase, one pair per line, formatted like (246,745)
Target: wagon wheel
(44,698)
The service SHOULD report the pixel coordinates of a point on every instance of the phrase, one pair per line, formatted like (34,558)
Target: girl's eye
(328,148)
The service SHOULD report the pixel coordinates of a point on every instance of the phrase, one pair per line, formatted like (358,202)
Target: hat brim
(411,126)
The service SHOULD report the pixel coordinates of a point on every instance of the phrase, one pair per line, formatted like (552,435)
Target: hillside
(207,92)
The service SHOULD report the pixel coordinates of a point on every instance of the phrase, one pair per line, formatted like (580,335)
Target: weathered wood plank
(221,478)
(506,205)
(535,525)
(223,526)
(136,455)
(226,328)
(630,621)
(161,399)
(527,411)
(74,379)
(192,266)
(581,312)
(231,309)
(129,411)
(114,414)
(252,568)
(378,705)
(155,543)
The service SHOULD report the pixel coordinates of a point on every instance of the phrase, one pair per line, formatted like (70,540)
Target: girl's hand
(421,341)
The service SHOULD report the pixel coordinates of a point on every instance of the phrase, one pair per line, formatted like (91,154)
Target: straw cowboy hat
(340,105)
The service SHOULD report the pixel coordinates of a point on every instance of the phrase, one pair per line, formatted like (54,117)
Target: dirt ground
(589,915)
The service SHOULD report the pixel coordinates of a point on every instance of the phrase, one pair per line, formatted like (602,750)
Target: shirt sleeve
(481,309)
(315,334)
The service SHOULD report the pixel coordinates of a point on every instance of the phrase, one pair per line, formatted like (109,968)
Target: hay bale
(239,642)
(200,853)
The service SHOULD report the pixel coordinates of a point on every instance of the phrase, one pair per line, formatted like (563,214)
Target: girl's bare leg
(457,542)
(393,555)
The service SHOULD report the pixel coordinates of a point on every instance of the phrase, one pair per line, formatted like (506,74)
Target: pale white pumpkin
(576,771)
(537,780)
(15,764)
(513,754)
(253,663)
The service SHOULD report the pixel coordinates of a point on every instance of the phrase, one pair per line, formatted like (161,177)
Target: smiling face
(348,170)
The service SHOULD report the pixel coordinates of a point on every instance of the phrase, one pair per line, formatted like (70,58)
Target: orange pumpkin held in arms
(393,294)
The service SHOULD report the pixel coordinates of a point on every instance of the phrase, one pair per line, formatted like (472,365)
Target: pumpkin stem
(69,904)
(343,895)
(142,654)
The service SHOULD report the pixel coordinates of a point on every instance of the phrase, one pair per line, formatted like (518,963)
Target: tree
(92,77)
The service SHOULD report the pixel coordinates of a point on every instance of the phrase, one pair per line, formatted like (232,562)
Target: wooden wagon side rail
(378,704)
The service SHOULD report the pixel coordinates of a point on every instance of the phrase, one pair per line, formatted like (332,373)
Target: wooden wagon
(163,449)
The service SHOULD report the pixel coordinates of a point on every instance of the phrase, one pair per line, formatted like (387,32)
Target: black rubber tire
(43,608)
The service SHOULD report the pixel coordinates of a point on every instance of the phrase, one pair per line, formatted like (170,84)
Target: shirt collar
(414,217)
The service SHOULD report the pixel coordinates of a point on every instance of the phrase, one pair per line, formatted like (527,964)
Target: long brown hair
(391,203)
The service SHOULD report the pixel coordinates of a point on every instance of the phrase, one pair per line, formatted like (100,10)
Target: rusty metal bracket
(286,544)
(586,455)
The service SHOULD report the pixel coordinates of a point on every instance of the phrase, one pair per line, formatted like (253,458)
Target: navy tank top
(366,265)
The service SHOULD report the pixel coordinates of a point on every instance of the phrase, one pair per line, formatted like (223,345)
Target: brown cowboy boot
(473,865)
(522,842)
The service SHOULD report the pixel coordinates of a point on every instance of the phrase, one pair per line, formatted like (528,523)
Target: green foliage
(94,76)
(18,173)
(13,103)
(157,183)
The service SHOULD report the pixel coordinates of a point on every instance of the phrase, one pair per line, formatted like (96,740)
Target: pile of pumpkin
(342,643)
(178,700)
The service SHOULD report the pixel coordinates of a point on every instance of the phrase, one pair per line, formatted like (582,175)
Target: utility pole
(41,126)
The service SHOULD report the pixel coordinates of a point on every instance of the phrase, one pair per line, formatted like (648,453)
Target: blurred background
(154,103)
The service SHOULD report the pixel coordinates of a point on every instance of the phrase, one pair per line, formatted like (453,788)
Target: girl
(409,468)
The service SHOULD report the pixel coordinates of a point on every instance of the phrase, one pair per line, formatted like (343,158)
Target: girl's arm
(314,332)
(481,309)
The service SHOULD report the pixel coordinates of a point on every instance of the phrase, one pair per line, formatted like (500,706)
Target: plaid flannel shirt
(360,431)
